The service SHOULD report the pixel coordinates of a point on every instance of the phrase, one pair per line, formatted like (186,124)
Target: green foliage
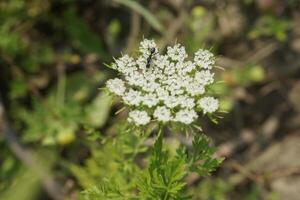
(201,159)
(113,176)
(105,191)
(271,27)
(25,53)
(62,112)
(162,178)
(59,123)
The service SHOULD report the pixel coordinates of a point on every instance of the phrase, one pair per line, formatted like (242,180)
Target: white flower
(170,69)
(141,62)
(174,87)
(145,47)
(195,89)
(139,117)
(204,77)
(132,97)
(116,86)
(187,67)
(186,116)
(150,100)
(161,61)
(162,93)
(204,59)
(171,84)
(162,114)
(187,102)
(177,53)
(124,63)
(208,104)
(135,79)
(171,101)
(150,86)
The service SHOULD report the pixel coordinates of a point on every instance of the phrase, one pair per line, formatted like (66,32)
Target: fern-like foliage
(106,190)
(163,177)
(200,159)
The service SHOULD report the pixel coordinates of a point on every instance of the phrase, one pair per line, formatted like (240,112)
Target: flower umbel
(139,117)
(171,89)
(208,104)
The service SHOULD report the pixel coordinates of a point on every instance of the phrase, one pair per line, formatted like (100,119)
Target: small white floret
(145,47)
(208,104)
(204,77)
(132,97)
(204,58)
(187,102)
(162,114)
(116,86)
(150,100)
(139,117)
(195,89)
(177,53)
(171,101)
(186,116)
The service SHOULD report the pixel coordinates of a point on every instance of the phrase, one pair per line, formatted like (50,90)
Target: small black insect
(152,52)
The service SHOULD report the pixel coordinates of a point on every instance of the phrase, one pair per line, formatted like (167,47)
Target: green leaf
(164,177)
(107,190)
(201,159)
(98,111)
(81,35)
(150,18)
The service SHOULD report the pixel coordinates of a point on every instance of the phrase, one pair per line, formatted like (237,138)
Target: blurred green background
(52,56)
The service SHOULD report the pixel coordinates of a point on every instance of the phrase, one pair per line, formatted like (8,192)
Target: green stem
(159,141)
(160,133)
(166,195)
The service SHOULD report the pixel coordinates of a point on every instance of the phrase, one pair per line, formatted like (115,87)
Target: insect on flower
(174,91)
(149,59)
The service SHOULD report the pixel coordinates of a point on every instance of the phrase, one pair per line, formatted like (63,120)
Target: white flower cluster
(166,88)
